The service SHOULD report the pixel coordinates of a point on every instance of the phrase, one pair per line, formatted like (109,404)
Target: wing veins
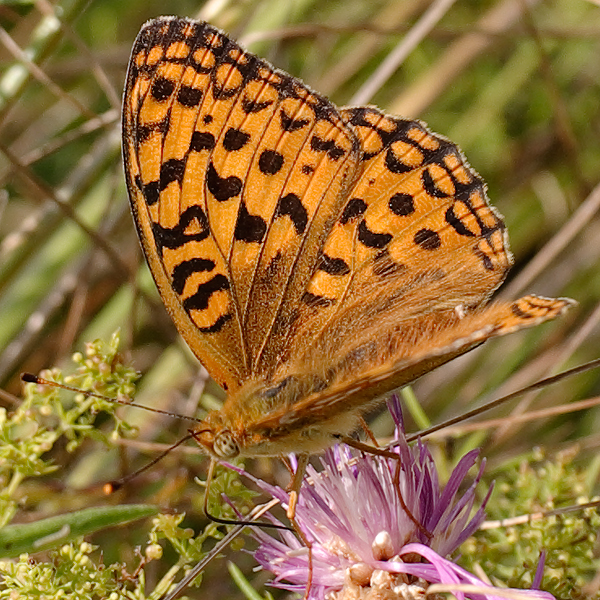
(254,154)
(233,294)
(297,258)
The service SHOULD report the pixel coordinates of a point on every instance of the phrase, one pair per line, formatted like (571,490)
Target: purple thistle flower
(364,544)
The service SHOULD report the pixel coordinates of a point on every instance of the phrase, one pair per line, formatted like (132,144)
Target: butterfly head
(215,438)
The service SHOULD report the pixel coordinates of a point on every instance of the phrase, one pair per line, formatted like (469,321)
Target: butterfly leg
(308,545)
(367,430)
(294,490)
(415,521)
(295,484)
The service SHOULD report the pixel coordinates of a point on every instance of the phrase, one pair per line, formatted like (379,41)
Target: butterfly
(313,257)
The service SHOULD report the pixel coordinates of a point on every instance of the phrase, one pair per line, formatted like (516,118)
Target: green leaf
(55,531)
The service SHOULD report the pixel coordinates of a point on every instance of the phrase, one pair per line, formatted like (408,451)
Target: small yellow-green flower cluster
(70,575)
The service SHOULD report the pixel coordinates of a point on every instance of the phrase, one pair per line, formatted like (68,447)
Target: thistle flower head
(379,527)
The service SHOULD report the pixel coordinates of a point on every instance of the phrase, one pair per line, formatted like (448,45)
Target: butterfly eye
(225,446)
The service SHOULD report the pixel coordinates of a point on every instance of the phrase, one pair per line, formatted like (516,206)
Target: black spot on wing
(199,300)
(455,222)
(249,228)
(394,164)
(144,131)
(235,139)
(175,237)
(162,88)
(354,208)
(315,301)
(291,206)
(402,204)
(372,239)
(270,162)
(151,192)
(215,328)
(430,185)
(333,151)
(183,270)
(427,239)
(488,265)
(189,96)
(170,171)
(252,106)
(221,92)
(518,312)
(290,124)
(202,140)
(333,266)
(222,188)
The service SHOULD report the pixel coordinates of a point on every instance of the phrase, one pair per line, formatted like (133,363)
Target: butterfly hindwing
(416,236)
(403,278)
(365,374)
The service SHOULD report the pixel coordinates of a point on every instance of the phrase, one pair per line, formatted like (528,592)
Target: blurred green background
(515,83)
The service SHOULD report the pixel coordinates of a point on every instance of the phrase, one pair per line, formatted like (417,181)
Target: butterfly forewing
(236,173)
(166,83)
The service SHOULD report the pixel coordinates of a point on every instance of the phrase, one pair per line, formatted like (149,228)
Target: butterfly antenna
(221,521)
(538,385)
(113,486)
(30,378)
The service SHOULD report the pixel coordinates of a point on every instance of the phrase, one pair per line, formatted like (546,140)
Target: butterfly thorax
(261,419)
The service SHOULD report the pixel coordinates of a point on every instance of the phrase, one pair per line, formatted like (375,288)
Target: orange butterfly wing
(402,281)
(312,257)
(235,173)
